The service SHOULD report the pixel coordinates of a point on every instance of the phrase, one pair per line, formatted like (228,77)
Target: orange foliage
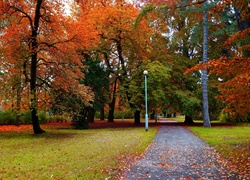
(58,38)
(233,72)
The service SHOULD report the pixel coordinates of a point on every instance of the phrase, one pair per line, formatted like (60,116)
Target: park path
(176,153)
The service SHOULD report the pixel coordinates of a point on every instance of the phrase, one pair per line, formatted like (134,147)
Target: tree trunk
(18,101)
(91,115)
(188,120)
(102,114)
(206,119)
(112,105)
(84,124)
(33,99)
(111,111)
(152,115)
(137,118)
(33,75)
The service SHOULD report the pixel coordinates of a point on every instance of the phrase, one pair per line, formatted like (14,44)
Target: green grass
(178,118)
(70,154)
(232,141)
(224,135)
(198,121)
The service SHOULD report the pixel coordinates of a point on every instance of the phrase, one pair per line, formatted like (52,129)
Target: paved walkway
(176,153)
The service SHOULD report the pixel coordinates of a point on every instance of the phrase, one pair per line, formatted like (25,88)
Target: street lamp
(145,72)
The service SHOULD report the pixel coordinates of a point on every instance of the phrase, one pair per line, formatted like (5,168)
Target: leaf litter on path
(176,153)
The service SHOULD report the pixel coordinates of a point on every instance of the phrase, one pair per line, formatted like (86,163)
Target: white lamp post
(145,72)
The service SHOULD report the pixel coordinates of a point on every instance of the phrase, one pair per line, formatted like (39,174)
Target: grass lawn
(70,154)
(232,141)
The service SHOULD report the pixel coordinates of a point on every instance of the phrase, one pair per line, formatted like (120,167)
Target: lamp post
(145,72)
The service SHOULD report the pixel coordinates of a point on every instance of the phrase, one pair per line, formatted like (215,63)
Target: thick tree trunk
(111,111)
(91,115)
(84,124)
(102,114)
(33,75)
(188,120)
(33,99)
(206,119)
(137,118)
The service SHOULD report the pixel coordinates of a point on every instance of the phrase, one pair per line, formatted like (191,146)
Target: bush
(7,117)
(26,118)
(42,117)
(127,114)
(59,118)
(225,117)
(80,122)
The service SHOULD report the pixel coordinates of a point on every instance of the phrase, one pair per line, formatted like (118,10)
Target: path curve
(176,153)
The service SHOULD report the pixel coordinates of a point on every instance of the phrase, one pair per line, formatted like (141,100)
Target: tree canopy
(53,51)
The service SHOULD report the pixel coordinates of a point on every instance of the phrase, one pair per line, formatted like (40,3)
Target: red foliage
(233,71)
(13,128)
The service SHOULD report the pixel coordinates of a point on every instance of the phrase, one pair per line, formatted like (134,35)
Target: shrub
(7,117)
(26,118)
(127,114)
(59,118)
(225,117)
(97,115)
(80,122)
(42,117)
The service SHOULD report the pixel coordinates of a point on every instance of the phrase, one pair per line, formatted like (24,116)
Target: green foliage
(59,118)
(42,118)
(98,115)
(158,81)
(127,114)
(26,118)
(188,103)
(97,78)
(7,117)
(226,117)
(144,12)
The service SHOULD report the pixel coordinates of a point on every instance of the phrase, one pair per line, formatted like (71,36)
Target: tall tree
(184,47)
(232,67)
(49,36)
(97,79)
(206,118)
(122,47)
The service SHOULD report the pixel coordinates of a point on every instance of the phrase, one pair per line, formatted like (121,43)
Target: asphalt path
(176,153)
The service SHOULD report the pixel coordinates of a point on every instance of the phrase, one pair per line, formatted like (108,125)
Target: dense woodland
(83,57)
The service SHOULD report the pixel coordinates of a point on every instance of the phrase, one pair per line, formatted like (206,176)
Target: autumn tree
(232,68)
(122,48)
(50,39)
